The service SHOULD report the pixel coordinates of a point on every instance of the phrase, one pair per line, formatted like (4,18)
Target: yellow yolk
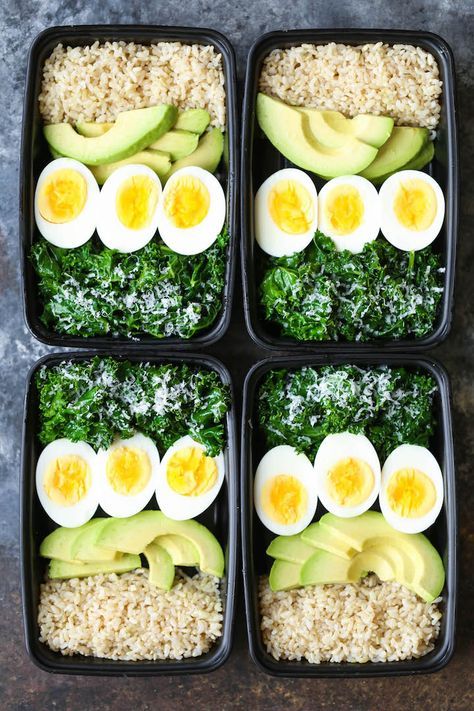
(291,207)
(410,493)
(190,472)
(415,205)
(187,202)
(284,499)
(350,481)
(67,480)
(136,201)
(62,196)
(344,209)
(128,470)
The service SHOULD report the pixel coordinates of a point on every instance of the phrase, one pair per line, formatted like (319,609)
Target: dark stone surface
(238,685)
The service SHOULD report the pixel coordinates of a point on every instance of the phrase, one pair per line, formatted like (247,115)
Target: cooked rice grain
(365,622)
(124,617)
(96,83)
(401,81)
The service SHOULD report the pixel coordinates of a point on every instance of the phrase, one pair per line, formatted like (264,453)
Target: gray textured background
(238,684)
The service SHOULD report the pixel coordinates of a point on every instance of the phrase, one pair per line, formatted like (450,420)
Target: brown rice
(401,81)
(365,622)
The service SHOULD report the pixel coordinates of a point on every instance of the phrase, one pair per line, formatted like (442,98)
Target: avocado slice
(132,131)
(182,550)
(287,128)
(156,160)
(323,567)
(58,544)
(371,561)
(178,144)
(66,569)
(334,130)
(284,575)
(91,129)
(317,536)
(207,155)
(195,120)
(161,566)
(290,548)
(84,547)
(422,159)
(403,145)
(134,533)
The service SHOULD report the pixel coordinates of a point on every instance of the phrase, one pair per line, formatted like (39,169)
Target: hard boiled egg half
(127,475)
(285,491)
(189,480)
(412,209)
(347,471)
(286,212)
(349,212)
(66,200)
(412,490)
(66,482)
(191,213)
(127,217)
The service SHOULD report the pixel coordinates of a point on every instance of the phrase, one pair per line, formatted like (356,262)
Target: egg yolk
(187,202)
(350,481)
(128,470)
(344,209)
(136,201)
(190,472)
(415,205)
(284,499)
(62,196)
(290,207)
(67,479)
(411,493)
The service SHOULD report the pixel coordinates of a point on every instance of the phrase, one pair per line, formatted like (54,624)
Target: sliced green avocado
(84,547)
(92,130)
(181,550)
(132,131)
(58,544)
(396,555)
(290,548)
(374,130)
(403,145)
(323,568)
(65,569)
(317,536)
(284,575)
(424,157)
(207,155)
(287,128)
(134,533)
(371,561)
(178,144)
(161,566)
(156,160)
(195,120)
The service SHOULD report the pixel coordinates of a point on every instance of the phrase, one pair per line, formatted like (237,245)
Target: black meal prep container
(35,155)
(260,159)
(256,538)
(221,517)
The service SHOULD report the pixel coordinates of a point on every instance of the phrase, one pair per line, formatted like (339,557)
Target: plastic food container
(220,518)
(35,155)
(260,159)
(256,538)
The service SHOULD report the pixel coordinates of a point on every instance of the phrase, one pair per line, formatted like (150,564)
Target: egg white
(268,235)
(369,228)
(398,235)
(178,506)
(74,233)
(112,232)
(121,505)
(193,240)
(83,510)
(411,456)
(285,460)
(335,447)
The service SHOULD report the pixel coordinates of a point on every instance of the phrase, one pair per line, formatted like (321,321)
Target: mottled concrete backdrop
(238,685)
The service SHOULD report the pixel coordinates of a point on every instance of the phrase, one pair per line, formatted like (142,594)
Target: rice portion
(124,617)
(401,81)
(97,82)
(366,622)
